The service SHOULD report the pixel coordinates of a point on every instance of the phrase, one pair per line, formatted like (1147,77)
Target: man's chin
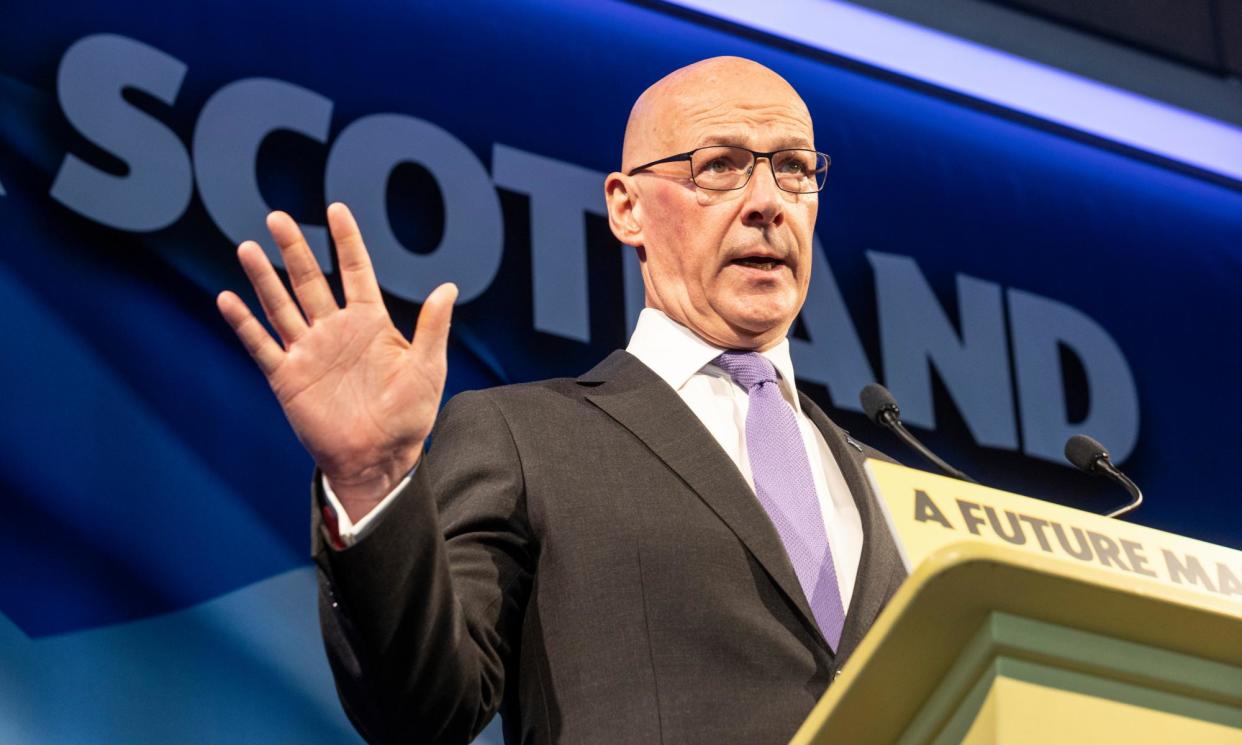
(762,328)
(760,312)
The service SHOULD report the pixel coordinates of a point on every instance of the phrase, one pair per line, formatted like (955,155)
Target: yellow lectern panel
(927,512)
(1024,621)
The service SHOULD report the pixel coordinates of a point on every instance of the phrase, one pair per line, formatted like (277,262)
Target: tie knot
(748,369)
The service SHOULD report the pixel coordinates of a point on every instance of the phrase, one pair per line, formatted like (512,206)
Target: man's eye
(793,166)
(719,165)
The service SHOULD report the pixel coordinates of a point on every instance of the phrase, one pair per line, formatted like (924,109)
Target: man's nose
(764,203)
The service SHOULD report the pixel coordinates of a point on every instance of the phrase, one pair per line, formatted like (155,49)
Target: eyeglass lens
(724,167)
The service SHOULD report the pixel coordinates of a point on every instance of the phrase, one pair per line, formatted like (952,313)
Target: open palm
(360,397)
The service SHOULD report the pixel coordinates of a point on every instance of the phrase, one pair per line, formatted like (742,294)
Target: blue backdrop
(1010,281)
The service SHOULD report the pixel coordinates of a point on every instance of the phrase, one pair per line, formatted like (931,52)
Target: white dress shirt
(683,360)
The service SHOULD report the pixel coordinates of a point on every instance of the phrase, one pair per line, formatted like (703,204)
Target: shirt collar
(676,354)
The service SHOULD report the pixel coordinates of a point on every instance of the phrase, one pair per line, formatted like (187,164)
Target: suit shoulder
(540,393)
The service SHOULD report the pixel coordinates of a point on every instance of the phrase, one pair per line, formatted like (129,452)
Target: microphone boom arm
(1104,464)
(890,419)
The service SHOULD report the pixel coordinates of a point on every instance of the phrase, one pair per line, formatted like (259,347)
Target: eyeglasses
(728,167)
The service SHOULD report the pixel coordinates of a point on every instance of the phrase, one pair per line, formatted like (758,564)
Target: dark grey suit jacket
(583,557)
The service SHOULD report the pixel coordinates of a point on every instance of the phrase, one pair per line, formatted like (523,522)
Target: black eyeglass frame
(689,156)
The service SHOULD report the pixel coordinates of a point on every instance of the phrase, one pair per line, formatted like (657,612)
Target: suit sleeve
(421,616)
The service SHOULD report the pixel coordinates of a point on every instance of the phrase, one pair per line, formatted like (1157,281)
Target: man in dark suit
(675,547)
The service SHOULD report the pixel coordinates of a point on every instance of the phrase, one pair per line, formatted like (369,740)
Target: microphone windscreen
(875,398)
(1084,451)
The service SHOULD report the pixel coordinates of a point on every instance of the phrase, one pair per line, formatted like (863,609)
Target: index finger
(357,275)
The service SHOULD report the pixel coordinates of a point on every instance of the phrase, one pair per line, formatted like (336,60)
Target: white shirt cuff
(349,531)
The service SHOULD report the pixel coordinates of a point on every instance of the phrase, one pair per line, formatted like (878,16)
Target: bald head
(731,265)
(703,92)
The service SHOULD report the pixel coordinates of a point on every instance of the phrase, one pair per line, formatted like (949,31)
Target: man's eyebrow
(796,141)
(722,138)
(736,138)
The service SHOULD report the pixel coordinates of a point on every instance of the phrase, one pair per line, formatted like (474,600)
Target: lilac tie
(785,487)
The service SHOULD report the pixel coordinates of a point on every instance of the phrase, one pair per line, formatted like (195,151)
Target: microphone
(882,409)
(1089,455)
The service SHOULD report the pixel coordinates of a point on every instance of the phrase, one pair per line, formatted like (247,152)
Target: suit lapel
(646,406)
(880,569)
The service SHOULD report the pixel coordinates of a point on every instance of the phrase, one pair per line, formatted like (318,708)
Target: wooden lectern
(1027,622)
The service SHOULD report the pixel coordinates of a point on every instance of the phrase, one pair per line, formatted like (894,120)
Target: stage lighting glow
(994,76)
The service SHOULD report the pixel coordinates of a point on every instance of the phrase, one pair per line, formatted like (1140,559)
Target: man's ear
(622,201)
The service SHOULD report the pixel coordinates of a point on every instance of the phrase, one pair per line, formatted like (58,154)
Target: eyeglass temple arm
(669,159)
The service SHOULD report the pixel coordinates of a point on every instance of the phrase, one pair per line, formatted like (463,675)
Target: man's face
(732,266)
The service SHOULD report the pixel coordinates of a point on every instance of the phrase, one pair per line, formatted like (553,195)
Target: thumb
(432,330)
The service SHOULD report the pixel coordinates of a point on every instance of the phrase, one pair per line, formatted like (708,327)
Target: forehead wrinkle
(775,125)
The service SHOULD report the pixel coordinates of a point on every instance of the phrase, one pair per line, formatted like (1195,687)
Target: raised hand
(360,397)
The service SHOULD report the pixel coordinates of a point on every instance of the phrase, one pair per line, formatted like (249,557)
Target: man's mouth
(765,263)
